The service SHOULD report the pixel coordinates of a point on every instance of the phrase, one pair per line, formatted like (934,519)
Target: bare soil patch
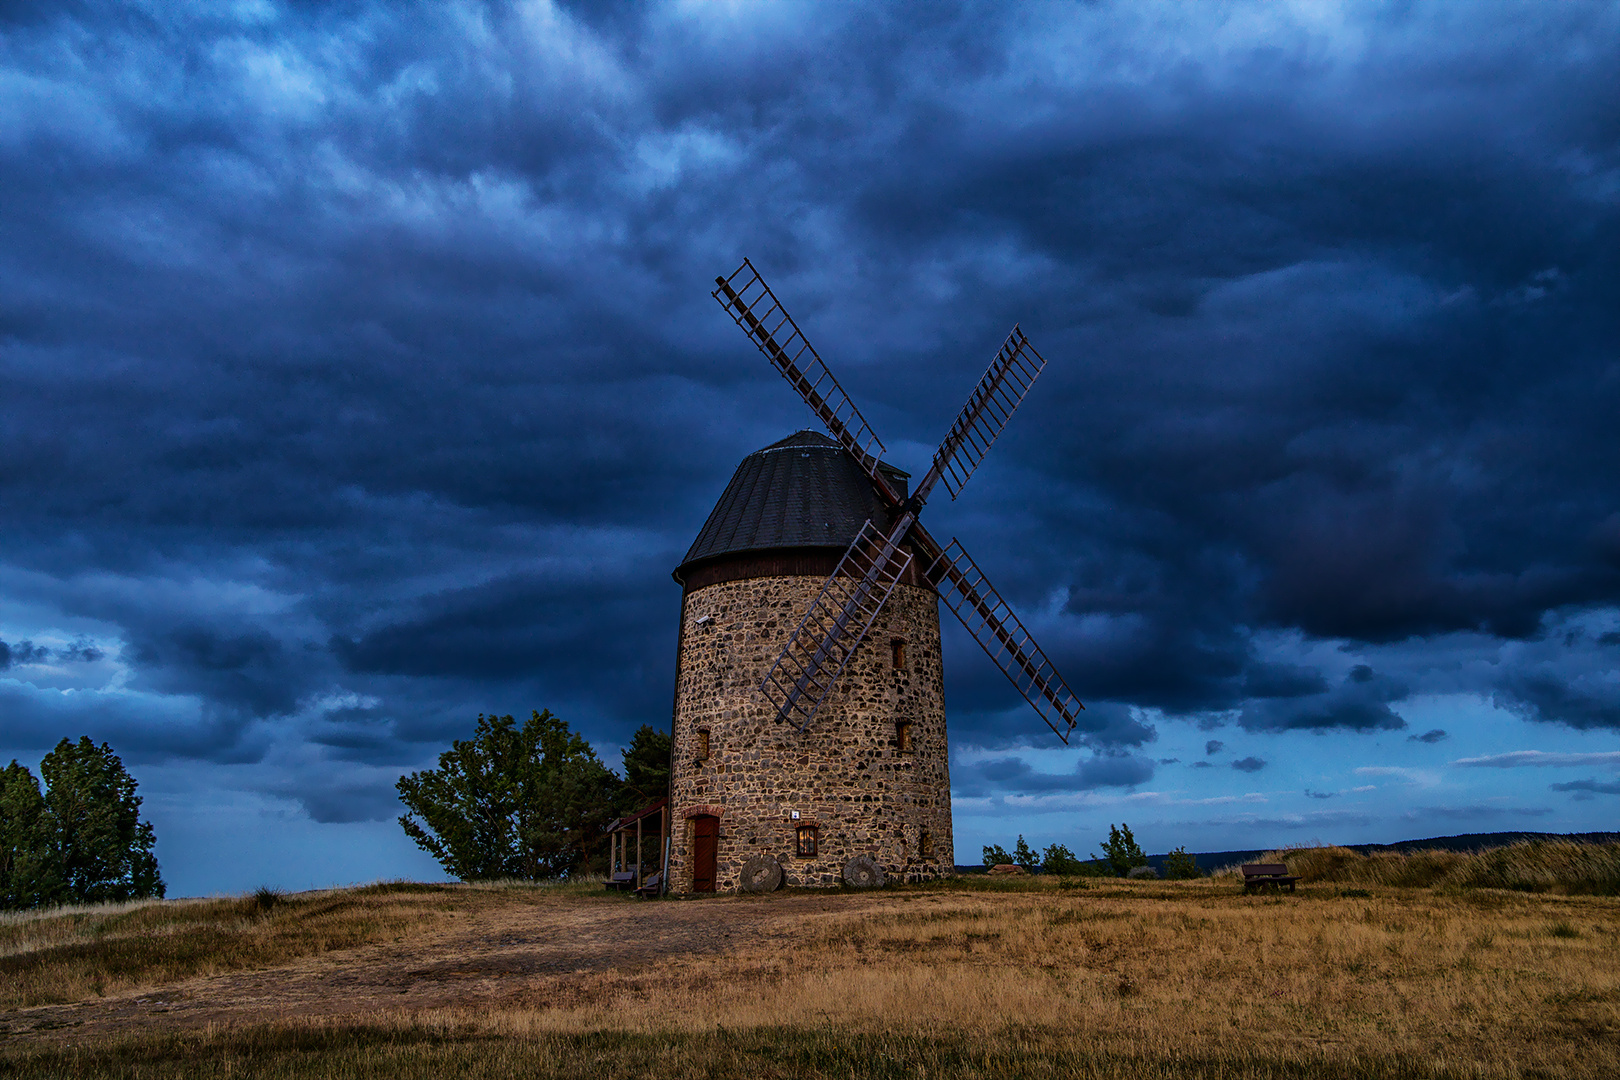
(490,949)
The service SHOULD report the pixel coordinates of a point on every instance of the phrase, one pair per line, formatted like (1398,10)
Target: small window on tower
(902,736)
(898,649)
(925,844)
(805,845)
(703,745)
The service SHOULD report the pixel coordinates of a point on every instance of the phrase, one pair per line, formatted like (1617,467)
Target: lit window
(902,735)
(805,845)
(703,746)
(898,649)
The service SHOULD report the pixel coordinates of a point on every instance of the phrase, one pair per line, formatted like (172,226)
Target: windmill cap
(803,491)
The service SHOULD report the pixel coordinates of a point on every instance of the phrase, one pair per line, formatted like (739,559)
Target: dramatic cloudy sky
(358,373)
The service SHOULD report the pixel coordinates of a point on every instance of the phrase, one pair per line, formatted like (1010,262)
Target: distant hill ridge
(1214,860)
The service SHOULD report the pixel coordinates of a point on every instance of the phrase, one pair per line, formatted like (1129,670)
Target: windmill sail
(749,301)
(967,592)
(987,411)
(842,615)
(837,623)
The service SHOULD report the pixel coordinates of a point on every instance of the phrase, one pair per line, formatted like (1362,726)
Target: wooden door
(705,842)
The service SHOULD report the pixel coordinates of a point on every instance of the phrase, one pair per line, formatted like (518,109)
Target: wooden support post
(638,852)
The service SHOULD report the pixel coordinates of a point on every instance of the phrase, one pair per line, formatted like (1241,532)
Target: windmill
(799,756)
(842,615)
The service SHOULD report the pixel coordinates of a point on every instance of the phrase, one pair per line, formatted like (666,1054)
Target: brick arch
(705,810)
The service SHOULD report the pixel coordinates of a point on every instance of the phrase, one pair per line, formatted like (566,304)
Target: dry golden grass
(1562,866)
(981,978)
(1483,978)
(73,953)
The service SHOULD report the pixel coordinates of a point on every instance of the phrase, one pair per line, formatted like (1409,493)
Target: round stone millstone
(762,873)
(863,872)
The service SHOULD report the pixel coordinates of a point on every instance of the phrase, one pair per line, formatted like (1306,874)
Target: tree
(1058,859)
(1025,856)
(511,802)
(99,846)
(82,840)
(26,878)
(1120,851)
(646,769)
(995,856)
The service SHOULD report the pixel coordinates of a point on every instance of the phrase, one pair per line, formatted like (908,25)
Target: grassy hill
(1038,977)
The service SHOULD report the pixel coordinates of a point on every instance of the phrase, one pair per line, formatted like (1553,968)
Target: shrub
(1060,860)
(1022,855)
(1180,865)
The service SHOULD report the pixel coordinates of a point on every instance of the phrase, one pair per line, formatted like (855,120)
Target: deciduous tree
(517,802)
(26,879)
(99,846)
(1120,850)
(80,841)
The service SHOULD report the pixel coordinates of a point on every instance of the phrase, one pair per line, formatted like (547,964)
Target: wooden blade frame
(988,408)
(967,592)
(749,301)
(836,624)
(842,614)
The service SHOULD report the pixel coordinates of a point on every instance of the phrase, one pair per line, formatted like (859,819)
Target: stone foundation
(851,775)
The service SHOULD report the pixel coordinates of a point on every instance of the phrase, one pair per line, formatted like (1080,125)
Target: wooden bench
(654,886)
(1267,876)
(622,881)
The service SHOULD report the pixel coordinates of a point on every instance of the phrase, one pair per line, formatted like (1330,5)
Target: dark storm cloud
(506,628)
(1248,764)
(1360,703)
(1549,695)
(1213,746)
(368,349)
(1433,735)
(348,802)
(246,669)
(1610,787)
(1011,775)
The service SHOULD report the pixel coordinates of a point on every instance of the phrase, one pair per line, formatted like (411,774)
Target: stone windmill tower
(801,756)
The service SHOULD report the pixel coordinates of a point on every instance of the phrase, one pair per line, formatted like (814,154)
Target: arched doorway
(705,845)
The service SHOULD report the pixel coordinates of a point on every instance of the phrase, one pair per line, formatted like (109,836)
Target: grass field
(974,977)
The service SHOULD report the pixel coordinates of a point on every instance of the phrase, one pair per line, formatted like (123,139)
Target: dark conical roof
(802,492)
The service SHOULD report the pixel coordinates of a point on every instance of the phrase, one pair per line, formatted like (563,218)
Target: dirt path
(491,956)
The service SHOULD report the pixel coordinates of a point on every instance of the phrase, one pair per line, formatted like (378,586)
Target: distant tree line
(1120,855)
(81,839)
(527,801)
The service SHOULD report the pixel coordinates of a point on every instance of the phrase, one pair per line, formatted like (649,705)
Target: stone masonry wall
(847,773)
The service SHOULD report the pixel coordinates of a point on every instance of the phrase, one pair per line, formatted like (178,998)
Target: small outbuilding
(627,847)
